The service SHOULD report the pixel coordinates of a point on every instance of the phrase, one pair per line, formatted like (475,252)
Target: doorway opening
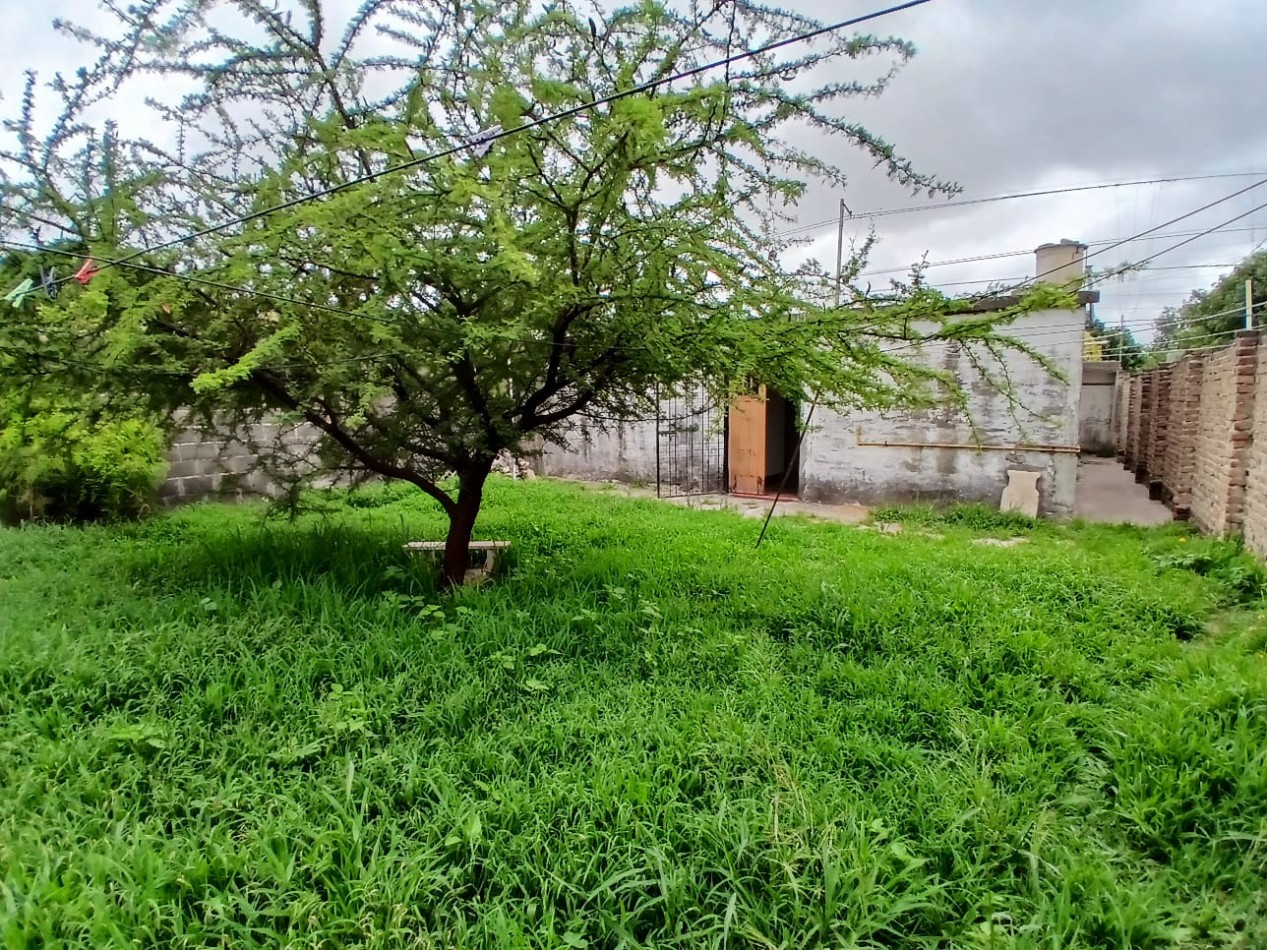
(763,435)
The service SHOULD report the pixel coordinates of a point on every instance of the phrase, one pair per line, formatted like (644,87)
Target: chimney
(1063,264)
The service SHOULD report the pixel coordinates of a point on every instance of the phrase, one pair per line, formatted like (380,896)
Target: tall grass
(217,730)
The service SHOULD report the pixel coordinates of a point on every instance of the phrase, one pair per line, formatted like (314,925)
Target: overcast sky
(1007,96)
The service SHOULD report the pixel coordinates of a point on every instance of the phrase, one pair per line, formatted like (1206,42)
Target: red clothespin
(87,272)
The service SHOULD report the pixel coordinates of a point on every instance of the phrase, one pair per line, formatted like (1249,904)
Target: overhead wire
(999,255)
(955,203)
(1156,228)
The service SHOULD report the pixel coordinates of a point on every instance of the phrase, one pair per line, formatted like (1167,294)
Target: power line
(1197,237)
(999,255)
(1098,186)
(1164,224)
(1167,250)
(494,136)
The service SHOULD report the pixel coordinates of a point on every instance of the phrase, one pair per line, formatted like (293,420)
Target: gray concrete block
(200,486)
(183,468)
(264,433)
(236,464)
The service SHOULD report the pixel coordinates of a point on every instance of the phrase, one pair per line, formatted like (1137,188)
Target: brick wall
(1196,432)
(1223,436)
(1154,462)
(1255,524)
(1131,447)
(1183,413)
(1144,430)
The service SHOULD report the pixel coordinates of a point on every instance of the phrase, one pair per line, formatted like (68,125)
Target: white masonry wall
(625,452)
(1099,388)
(937,461)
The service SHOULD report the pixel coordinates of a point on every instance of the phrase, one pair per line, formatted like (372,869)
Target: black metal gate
(691,435)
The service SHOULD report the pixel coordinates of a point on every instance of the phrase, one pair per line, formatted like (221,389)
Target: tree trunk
(457,545)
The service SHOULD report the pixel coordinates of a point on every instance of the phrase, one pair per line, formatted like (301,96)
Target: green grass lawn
(217,730)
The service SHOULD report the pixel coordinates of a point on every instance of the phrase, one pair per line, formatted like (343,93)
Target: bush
(64,464)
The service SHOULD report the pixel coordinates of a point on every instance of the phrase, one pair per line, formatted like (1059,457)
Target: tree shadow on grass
(356,563)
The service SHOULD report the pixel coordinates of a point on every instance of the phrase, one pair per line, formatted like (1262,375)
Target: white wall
(836,468)
(1095,425)
(624,451)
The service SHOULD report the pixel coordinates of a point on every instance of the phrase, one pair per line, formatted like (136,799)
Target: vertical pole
(840,249)
(656,397)
(1249,303)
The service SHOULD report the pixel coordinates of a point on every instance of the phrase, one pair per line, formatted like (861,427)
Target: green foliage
(977,517)
(1119,344)
(68,462)
(1211,317)
(218,730)
(1239,572)
(428,319)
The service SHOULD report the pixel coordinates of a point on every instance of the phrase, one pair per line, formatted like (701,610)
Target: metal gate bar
(691,437)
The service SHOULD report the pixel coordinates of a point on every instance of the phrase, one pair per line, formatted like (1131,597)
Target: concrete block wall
(686,441)
(624,451)
(1179,466)
(1224,432)
(214,460)
(1121,413)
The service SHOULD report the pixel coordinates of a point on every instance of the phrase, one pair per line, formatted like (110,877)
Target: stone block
(200,486)
(1021,492)
(183,468)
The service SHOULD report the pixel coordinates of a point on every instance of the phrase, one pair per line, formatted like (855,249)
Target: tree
(1211,317)
(425,320)
(1117,343)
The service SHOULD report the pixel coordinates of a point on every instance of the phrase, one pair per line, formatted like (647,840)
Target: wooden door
(747,446)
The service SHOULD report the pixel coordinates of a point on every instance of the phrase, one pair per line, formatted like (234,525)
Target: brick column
(1147,405)
(1132,422)
(1256,488)
(1224,434)
(1158,431)
(1181,434)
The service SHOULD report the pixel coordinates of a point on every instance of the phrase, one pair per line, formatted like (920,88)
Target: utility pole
(1249,303)
(840,249)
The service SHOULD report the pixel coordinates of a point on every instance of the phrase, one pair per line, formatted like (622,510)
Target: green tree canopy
(425,320)
(1211,317)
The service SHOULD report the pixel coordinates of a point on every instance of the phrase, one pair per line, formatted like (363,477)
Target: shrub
(68,464)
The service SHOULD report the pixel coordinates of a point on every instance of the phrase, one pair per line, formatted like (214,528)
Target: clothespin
(482,142)
(87,272)
(17,296)
(49,284)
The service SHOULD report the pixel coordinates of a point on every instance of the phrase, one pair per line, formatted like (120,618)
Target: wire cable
(1097,186)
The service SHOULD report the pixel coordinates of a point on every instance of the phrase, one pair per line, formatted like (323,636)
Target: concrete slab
(1109,494)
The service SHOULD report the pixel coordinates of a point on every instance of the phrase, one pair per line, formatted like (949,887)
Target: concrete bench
(491,549)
